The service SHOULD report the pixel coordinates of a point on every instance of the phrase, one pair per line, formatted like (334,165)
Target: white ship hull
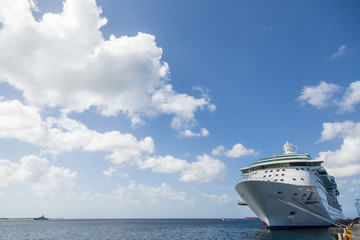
(273,203)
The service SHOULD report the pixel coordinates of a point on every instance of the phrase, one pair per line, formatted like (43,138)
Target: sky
(148,109)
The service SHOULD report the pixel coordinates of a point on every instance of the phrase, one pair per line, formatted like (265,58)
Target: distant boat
(41,218)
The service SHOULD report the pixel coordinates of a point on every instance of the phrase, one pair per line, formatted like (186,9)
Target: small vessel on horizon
(290,190)
(41,218)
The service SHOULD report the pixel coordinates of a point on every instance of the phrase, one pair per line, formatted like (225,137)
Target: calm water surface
(151,229)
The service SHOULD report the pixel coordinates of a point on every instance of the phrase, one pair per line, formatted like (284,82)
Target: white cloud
(339,53)
(205,169)
(238,150)
(351,97)
(339,129)
(110,171)
(188,133)
(58,135)
(63,61)
(320,95)
(167,164)
(223,199)
(164,192)
(34,171)
(133,194)
(218,151)
(344,161)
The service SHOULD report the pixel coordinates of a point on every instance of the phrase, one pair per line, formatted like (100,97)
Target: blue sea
(172,229)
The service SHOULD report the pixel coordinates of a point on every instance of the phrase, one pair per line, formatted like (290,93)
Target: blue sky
(127,109)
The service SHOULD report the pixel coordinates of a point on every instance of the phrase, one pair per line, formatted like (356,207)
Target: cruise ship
(290,191)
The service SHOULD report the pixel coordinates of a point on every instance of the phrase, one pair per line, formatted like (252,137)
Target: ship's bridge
(289,159)
(285,160)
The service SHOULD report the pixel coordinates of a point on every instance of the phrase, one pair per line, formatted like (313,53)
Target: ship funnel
(289,148)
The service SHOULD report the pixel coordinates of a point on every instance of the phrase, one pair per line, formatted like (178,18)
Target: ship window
(277,175)
(302,169)
(294,179)
(308,169)
(264,175)
(282,180)
(282,174)
(271,170)
(297,169)
(303,179)
(278,170)
(275,180)
(265,171)
(283,169)
(269,175)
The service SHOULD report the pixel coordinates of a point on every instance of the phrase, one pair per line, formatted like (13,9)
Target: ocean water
(171,229)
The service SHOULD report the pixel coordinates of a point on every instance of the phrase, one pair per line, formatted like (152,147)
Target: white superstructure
(290,190)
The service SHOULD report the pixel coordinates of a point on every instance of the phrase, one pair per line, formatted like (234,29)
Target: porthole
(276,175)
(282,174)
(283,169)
(281,180)
(275,180)
(271,170)
(278,170)
(294,179)
(302,169)
(269,175)
(303,179)
(297,169)
(264,176)
(265,171)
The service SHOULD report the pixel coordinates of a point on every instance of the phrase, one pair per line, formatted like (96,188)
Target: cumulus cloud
(64,134)
(222,199)
(319,95)
(218,151)
(133,193)
(188,133)
(351,97)
(342,162)
(323,95)
(205,169)
(339,129)
(63,61)
(44,180)
(163,191)
(238,150)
